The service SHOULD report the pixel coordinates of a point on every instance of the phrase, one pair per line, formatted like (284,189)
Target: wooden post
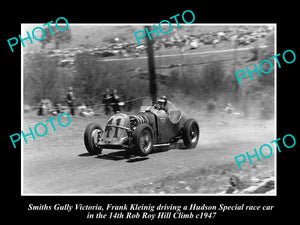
(151,68)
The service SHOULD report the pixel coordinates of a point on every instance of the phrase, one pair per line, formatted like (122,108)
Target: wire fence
(97,105)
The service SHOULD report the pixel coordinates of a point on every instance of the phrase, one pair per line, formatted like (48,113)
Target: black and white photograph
(147,114)
(137,109)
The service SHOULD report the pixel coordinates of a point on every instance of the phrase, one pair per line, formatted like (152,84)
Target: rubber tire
(88,139)
(186,133)
(137,135)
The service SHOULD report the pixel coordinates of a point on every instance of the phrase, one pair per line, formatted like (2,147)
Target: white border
(22,116)
(144,24)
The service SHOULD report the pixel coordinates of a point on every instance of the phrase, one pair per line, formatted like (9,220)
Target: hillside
(96,35)
(90,63)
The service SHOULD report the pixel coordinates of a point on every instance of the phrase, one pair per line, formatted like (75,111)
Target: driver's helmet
(162,102)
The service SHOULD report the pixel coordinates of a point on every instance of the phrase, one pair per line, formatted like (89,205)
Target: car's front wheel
(143,139)
(91,135)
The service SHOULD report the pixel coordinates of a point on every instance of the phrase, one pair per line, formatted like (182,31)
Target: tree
(92,77)
(41,79)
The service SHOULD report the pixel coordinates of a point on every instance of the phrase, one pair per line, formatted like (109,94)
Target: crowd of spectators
(241,35)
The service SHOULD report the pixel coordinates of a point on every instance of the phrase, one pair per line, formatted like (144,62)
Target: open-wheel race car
(140,133)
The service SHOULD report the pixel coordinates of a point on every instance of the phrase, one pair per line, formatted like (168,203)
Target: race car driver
(162,104)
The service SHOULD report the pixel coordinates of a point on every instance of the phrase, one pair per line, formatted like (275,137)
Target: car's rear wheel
(143,139)
(191,133)
(91,135)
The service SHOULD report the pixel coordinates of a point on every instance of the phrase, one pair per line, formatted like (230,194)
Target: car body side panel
(167,130)
(152,122)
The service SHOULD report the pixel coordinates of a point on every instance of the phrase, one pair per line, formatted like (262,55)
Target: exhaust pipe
(161,145)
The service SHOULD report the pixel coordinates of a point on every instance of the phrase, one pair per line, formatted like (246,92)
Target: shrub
(213,77)
(211,105)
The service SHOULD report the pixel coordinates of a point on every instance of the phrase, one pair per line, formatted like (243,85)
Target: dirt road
(58,163)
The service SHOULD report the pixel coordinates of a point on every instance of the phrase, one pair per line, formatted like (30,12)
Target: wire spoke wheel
(96,135)
(145,141)
(143,136)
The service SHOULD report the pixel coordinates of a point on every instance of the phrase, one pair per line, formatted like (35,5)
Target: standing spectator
(115,101)
(41,108)
(70,101)
(107,101)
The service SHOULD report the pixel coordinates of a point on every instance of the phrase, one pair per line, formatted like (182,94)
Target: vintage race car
(142,132)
